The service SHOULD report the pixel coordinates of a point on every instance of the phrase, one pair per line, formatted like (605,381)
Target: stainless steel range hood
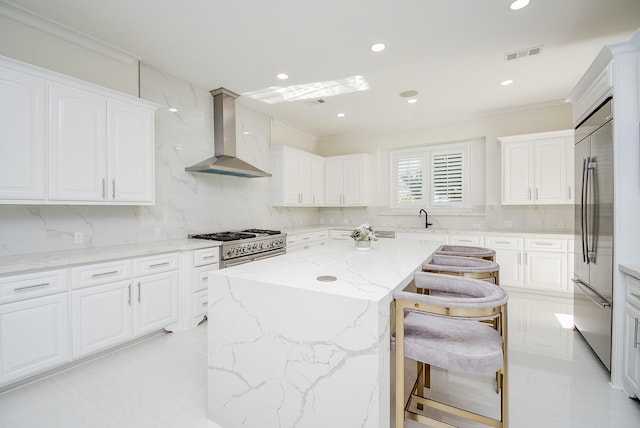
(224,160)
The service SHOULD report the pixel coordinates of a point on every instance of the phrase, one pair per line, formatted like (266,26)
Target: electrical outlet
(78,237)
(560,225)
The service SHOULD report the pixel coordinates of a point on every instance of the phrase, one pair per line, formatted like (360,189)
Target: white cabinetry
(631,368)
(537,168)
(307,240)
(532,263)
(297,177)
(22,136)
(443,238)
(197,264)
(94,145)
(114,301)
(470,240)
(509,255)
(101,150)
(346,179)
(34,323)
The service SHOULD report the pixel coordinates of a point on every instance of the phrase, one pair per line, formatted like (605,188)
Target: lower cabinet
(632,348)
(198,264)
(308,240)
(107,312)
(34,336)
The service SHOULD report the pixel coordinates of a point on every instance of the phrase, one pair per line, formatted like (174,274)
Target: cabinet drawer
(466,240)
(100,273)
(201,277)
(633,291)
(504,243)
(321,235)
(20,287)
(340,234)
(155,264)
(200,303)
(206,256)
(545,244)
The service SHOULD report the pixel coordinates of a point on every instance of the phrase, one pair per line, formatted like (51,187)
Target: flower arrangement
(364,232)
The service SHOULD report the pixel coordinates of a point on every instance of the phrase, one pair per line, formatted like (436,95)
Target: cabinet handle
(129,294)
(114,188)
(205,303)
(569,192)
(543,244)
(537,194)
(28,287)
(635,335)
(159,264)
(95,275)
(529,193)
(519,258)
(104,188)
(139,292)
(208,257)
(526,257)
(503,242)
(314,199)
(204,278)
(464,240)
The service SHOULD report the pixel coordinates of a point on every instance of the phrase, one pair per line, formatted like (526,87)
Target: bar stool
(469,267)
(441,329)
(467,251)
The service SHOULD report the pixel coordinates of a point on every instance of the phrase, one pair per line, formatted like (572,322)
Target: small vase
(363,245)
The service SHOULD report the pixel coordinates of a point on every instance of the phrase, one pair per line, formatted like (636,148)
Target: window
(445,166)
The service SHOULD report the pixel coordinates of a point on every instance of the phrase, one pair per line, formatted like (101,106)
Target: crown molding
(63,32)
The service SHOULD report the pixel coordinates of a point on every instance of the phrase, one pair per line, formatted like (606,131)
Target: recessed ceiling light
(282,76)
(378,47)
(408,94)
(519,4)
(340,115)
(412,100)
(173,110)
(506,82)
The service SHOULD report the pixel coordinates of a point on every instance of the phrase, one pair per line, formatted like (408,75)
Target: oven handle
(592,295)
(253,257)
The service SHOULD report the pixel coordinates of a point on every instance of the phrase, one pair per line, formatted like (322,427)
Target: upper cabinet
(297,177)
(345,180)
(537,169)
(22,136)
(63,141)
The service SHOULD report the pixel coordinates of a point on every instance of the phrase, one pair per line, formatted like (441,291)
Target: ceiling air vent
(523,53)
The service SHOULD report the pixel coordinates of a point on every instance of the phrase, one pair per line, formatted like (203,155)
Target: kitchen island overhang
(289,350)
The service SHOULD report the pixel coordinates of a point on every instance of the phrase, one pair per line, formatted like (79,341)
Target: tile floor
(555,382)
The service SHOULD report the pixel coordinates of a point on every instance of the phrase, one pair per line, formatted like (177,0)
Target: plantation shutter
(409,175)
(448,178)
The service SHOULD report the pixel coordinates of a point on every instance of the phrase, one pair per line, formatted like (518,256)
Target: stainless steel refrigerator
(593,268)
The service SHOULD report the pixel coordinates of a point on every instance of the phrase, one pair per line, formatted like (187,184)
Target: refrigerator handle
(583,198)
(592,295)
(591,249)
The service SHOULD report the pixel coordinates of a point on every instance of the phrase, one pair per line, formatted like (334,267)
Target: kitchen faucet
(426,218)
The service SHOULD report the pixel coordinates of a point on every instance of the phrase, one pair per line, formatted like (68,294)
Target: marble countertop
(370,275)
(633,270)
(23,263)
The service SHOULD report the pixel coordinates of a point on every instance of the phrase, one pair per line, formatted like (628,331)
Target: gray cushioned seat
(466,251)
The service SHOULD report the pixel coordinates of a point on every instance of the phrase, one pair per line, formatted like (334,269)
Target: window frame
(426,154)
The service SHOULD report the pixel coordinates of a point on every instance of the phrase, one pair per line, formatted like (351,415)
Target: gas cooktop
(236,235)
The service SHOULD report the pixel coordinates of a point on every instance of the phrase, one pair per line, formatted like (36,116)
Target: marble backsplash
(185,202)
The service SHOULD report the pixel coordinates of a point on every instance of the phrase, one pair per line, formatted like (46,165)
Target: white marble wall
(534,219)
(185,202)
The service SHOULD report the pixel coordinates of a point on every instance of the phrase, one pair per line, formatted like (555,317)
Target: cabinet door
(517,173)
(22,136)
(305,165)
(291,177)
(130,144)
(631,370)
(156,304)
(333,194)
(317,180)
(77,145)
(510,262)
(34,336)
(353,181)
(550,171)
(545,270)
(101,316)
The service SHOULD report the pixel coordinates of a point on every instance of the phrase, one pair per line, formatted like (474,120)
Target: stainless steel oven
(244,246)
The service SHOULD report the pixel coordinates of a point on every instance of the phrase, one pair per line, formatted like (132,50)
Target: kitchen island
(289,347)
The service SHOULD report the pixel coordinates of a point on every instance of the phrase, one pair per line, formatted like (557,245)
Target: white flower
(364,232)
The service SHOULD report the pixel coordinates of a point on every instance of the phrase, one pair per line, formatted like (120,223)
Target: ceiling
(451,52)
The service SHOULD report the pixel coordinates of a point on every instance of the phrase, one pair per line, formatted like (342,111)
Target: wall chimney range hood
(224,160)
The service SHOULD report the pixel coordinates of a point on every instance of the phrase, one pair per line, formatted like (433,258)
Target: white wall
(486,172)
